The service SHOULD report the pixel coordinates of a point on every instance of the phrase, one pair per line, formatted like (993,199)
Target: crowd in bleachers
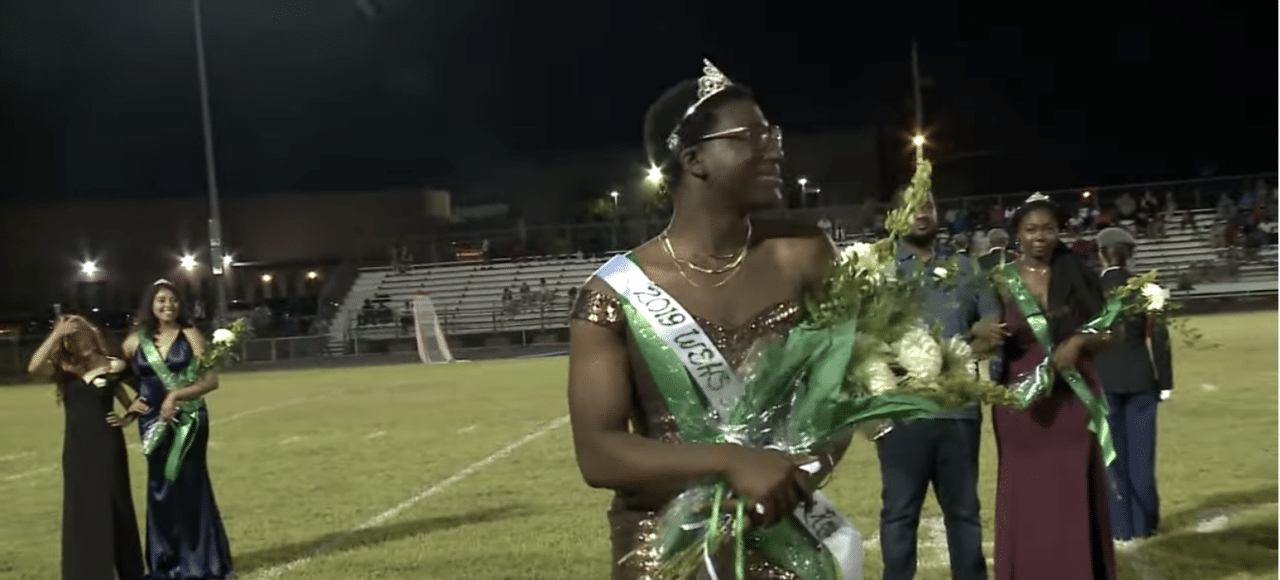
(1198,241)
(521,299)
(377,311)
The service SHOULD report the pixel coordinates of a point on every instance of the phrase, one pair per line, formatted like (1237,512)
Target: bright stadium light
(88,268)
(266,278)
(188,262)
(312,275)
(918,140)
(654,176)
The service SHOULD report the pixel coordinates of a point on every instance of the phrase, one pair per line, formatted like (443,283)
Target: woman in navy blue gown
(185,537)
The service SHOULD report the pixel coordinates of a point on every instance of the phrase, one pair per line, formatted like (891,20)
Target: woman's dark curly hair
(1075,291)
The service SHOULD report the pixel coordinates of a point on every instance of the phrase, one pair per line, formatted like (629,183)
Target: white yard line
(293,439)
(466,429)
(16,455)
(936,539)
(133,446)
(251,412)
(27,474)
(375,435)
(381,518)
(931,546)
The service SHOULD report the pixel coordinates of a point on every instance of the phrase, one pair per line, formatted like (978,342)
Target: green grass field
(466,471)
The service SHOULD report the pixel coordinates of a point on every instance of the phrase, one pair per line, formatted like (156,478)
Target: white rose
(940,272)
(1155,296)
(960,350)
(858,253)
(880,377)
(223,335)
(919,354)
(100,382)
(877,375)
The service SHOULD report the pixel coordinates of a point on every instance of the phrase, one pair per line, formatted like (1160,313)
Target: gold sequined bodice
(633,514)
(734,343)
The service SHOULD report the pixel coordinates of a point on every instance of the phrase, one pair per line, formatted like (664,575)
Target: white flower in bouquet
(856,252)
(919,353)
(876,373)
(223,335)
(1155,297)
(940,273)
(960,353)
(862,255)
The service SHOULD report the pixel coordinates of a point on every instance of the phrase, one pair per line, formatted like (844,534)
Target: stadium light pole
(216,263)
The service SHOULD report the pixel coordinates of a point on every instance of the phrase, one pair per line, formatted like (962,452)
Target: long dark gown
(99,527)
(185,537)
(1052,520)
(633,514)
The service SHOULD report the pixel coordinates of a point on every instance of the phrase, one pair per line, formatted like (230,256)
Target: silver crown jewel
(162,281)
(712,82)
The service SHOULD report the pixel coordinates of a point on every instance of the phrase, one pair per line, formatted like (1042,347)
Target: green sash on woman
(185,422)
(1042,378)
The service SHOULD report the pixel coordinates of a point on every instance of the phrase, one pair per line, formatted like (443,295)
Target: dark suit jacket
(1130,367)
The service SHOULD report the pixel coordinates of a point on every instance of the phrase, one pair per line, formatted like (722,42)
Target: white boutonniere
(101,382)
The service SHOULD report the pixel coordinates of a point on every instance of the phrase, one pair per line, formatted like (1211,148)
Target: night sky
(100,98)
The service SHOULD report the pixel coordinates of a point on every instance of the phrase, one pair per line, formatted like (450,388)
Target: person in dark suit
(999,254)
(1137,374)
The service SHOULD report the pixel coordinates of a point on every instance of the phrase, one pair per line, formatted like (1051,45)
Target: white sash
(722,387)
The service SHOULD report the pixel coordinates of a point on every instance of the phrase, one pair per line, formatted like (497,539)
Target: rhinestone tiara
(711,83)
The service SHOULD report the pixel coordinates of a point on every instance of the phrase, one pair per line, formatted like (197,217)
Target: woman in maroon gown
(1051,509)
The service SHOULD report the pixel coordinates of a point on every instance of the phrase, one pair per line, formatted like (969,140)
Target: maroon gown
(1052,520)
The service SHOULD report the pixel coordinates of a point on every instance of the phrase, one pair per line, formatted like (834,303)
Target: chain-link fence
(16,351)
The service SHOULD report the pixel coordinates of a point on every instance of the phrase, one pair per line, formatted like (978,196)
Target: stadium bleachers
(468,297)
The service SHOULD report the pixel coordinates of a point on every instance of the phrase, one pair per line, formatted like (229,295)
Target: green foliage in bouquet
(223,347)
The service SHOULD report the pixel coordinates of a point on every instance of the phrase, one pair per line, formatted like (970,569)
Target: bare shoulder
(130,344)
(803,246)
(791,238)
(198,344)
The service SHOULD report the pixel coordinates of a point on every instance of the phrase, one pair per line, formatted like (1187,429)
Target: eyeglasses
(760,137)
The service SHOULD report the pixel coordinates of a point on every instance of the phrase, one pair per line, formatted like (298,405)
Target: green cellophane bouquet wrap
(861,355)
(222,349)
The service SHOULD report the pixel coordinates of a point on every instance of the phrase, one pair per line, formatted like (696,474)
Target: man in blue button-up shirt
(942,449)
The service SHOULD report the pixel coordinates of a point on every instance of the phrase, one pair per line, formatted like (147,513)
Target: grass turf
(301,459)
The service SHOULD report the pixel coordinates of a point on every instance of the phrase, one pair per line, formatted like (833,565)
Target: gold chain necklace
(1033,269)
(737,257)
(666,244)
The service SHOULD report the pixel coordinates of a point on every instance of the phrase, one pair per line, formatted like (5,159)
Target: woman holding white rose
(185,536)
(99,529)
(1052,518)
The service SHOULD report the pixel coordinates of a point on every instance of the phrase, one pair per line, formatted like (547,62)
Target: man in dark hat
(1137,374)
